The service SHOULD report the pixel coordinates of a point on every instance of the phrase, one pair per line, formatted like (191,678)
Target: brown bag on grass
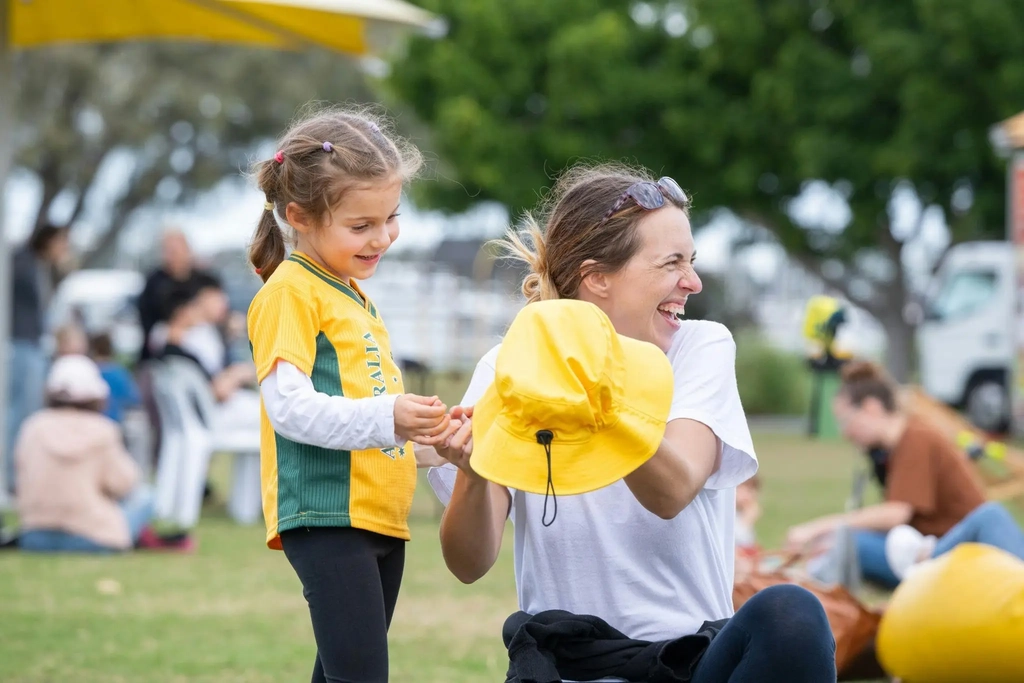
(853,624)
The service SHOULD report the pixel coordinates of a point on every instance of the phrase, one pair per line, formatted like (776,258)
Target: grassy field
(234,611)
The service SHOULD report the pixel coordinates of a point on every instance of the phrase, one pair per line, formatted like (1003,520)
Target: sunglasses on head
(649,196)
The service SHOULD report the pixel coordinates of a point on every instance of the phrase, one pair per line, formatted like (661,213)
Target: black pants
(350,578)
(781,635)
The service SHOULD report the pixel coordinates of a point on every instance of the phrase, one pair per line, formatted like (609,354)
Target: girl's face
(357,232)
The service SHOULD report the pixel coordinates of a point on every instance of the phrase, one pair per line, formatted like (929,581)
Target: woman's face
(644,297)
(860,425)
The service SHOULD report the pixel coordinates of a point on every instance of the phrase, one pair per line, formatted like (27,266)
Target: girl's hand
(420,418)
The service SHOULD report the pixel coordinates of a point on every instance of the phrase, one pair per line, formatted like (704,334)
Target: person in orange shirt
(929,485)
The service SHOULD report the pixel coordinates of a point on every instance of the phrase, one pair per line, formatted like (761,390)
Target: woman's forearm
(880,517)
(472,526)
(665,484)
(676,473)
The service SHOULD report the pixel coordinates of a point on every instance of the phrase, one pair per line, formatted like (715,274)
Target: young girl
(337,467)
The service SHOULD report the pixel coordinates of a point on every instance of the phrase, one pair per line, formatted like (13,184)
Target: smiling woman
(651,555)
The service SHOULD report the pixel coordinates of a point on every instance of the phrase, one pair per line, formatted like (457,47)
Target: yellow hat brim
(610,454)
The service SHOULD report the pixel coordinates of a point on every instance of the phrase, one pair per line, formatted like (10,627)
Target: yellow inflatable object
(957,619)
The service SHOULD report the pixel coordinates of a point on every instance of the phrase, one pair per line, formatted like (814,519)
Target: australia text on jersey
(379,385)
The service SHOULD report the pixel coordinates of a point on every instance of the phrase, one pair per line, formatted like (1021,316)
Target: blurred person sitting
(208,341)
(238,402)
(929,485)
(32,271)
(124,392)
(186,314)
(78,488)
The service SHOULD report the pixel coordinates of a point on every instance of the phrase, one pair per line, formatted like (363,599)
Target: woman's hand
(803,536)
(459,445)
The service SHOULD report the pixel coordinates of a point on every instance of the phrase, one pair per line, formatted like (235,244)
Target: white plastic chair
(193,435)
(184,451)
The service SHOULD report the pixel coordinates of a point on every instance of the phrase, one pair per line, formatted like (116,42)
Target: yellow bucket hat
(574,405)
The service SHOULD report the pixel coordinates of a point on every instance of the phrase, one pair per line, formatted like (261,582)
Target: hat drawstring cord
(545,437)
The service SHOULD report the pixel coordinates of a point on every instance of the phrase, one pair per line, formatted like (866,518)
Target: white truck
(969,336)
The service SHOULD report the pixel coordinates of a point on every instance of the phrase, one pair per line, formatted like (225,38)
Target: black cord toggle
(544,438)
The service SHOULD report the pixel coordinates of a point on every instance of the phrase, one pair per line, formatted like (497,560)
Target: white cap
(76,379)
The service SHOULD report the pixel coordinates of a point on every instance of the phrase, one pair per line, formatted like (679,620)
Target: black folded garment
(555,645)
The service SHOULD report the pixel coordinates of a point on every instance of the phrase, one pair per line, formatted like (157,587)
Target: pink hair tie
(279,157)
(328,147)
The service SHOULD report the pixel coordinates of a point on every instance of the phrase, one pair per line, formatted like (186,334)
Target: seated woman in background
(929,485)
(78,488)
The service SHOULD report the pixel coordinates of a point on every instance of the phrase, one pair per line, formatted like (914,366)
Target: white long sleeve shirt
(300,413)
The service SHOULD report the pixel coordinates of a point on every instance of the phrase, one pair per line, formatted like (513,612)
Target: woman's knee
(989,511)
(788,615)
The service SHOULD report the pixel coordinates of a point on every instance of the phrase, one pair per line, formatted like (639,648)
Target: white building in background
(438,318)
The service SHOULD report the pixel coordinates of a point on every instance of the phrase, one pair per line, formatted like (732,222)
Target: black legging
(350,579)
(780,635)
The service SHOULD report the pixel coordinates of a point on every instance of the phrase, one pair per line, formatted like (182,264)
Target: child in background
(338,471)
(71,340)
(124,393)
(748,511)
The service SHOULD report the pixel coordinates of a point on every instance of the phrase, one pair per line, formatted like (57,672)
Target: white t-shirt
(207,346)
(606,555)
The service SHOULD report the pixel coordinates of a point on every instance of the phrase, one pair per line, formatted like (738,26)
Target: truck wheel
(988,405)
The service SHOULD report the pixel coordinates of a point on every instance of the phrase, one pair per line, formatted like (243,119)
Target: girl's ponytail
(267,250)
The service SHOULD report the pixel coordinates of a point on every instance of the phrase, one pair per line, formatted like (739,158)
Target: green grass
(234,610)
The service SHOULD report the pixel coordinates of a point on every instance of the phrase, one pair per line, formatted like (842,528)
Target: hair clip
(268,205)
(328,147)
(374,127)
(259,271)
(279,157)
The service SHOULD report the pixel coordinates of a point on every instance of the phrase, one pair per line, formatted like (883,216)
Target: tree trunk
(899,354)
(49,176)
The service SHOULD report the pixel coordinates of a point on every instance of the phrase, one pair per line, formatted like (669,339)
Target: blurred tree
(747,102)
(176,118)
(715,303)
